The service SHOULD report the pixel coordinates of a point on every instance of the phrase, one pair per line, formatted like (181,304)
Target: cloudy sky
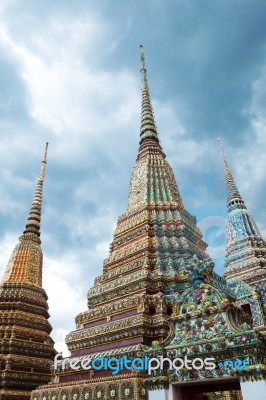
(69,75)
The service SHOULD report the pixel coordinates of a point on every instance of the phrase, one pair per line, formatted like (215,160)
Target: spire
(240,223)
(232,191)
(34,218)
(245,253)
(25,264)
(152,181)
(148,128)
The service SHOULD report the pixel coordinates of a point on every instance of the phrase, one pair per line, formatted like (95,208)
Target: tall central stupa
(156,234)
(157,295)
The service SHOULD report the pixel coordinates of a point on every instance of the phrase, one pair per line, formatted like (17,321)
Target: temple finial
(222,149)
(142,59)
(144,81)
(45,153)
(148,128)
(44,161)
(232,191)
(34,218)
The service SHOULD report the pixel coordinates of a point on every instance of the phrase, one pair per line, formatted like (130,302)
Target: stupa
(26,348)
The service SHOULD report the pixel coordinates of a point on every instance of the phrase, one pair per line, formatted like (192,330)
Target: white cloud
(65,299)
(120,36)
(72,102)
(70,97)
(249,162)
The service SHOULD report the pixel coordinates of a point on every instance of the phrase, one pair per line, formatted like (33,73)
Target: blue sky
(69,74)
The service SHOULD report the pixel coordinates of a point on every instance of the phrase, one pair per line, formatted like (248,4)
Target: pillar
(173,393)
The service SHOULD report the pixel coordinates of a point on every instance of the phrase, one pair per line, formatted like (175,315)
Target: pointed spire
(25,264)
(245,250)
(232,191)
(148,128)
(240,223)
(34,218)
